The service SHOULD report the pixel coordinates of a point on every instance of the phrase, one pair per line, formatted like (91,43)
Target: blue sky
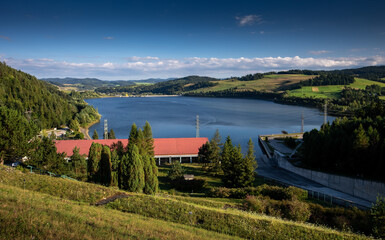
(143,39)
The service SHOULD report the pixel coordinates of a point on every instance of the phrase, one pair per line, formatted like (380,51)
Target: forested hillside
(171,87)
(28,105)
(40,102)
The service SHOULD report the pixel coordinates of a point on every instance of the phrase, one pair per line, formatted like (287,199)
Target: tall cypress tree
(94,157)
(149,141)
(132,170)
(105,167)
(150,175)
(111,134)
(150,168)
(226,157)
(133,134)
(79,164)
(95,135)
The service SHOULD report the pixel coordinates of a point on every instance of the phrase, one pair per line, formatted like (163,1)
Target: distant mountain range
(93,83)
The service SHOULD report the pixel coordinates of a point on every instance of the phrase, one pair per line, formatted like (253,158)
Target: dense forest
(28,105)
(40,102)
(354,146)
(171,87)
(328,79)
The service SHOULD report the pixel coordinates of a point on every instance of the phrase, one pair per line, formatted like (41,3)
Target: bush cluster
(195,185)
(290,209)
(236,224)
(273,192)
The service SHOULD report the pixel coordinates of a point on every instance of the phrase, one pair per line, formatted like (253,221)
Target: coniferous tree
(176,172)
(45,157)
(94,157)
(133,134)
(149,141)
(131,170)
(95,135)
(215,157)
(105,167)
(115,162)
(150,175)
(149,165)
(15,135)
(79,164)
(74,125)
(226,157)
(135,170)
(111,134)
(249,165)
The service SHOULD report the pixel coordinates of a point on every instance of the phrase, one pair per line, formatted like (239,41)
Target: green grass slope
(268,83)
(26,214)
(42,201)
(331,91)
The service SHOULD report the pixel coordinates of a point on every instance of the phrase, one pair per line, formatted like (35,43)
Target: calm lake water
(176,117)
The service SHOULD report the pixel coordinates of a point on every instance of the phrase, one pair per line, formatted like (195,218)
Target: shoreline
(85,130)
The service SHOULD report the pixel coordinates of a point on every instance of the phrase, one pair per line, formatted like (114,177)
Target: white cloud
(319,52)
(109,38)
(249,20)
(145,67)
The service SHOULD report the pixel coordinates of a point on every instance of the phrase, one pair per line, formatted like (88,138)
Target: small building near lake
(165,149)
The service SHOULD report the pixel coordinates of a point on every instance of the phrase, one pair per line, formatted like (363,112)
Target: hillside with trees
(354,147)
(170,87)
(28,105)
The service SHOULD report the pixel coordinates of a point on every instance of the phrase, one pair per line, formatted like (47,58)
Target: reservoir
(175,117)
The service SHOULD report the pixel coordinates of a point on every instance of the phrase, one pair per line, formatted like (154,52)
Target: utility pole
(105,129)
(326,112)
(197,127)
(302,122)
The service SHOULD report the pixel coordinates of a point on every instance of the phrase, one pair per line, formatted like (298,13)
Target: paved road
(267,169)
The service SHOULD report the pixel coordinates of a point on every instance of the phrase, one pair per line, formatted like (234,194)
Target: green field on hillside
(268,83)
(331,91)
(43,207)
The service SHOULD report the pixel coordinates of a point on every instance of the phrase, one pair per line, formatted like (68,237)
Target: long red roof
(162,146)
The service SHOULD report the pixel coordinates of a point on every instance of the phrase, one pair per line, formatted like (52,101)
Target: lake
(176,117)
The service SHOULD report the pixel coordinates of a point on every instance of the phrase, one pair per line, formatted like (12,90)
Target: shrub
(194,185)
(295,210)
(220,192)
(292,210)
(255,204)
(274,192)
(340,218)
(290,142)
(378,217)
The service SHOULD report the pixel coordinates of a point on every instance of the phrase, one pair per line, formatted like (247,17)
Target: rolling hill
(43,207)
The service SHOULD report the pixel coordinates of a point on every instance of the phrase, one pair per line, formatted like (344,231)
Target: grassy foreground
(45,207)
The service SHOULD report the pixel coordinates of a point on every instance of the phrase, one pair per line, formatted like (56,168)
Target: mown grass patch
(331,91)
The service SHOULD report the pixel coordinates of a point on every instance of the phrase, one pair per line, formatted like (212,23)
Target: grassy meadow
(42,207)
(268,83)
(331,91)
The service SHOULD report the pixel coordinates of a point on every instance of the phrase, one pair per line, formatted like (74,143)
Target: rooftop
(162,146)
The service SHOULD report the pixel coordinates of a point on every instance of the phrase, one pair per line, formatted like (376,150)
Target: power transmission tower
(105,129)
(326,112)
(197,127)
(302,122)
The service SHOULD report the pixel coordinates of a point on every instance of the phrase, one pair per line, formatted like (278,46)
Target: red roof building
(163,147)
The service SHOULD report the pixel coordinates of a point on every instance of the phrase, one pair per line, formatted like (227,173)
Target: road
(267,169)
